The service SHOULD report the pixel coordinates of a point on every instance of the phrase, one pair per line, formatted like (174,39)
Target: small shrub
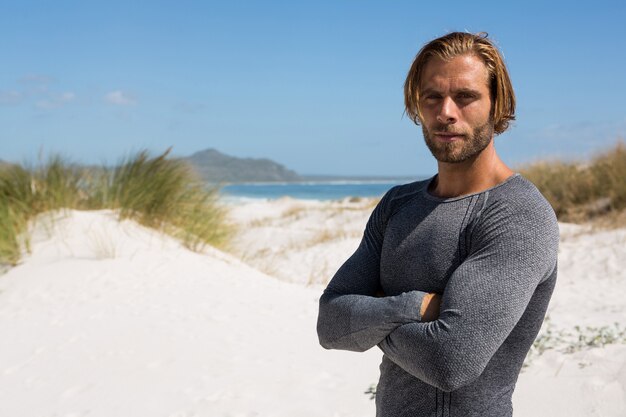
(590,337)
(580,338)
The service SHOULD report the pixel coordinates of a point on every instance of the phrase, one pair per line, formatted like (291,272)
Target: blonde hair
(456,44)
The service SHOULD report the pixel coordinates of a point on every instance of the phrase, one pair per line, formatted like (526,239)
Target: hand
(429,309)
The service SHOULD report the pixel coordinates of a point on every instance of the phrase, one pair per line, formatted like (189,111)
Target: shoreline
(322,191)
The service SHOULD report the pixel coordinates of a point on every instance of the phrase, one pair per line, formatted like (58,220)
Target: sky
(315,86)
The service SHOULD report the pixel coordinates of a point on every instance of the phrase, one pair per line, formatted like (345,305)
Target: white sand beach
(108,318)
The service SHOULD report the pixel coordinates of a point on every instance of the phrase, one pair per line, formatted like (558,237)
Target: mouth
(448,136)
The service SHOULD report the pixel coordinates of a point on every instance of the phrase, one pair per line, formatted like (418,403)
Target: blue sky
(316,86)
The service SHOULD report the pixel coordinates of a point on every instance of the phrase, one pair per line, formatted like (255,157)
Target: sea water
(334,190)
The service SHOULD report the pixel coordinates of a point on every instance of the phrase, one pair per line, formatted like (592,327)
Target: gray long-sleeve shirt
(493,257)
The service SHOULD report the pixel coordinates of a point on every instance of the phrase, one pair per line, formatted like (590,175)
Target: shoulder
(519,197)
(517,208)
(401,194)
(392,201)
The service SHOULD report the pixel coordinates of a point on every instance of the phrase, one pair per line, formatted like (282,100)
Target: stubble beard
(459,151)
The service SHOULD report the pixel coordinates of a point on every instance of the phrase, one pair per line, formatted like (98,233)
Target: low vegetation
(157,192)
(575,340)
(580,192)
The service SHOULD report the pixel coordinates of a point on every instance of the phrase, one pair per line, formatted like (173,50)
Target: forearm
(358,322)
(429,353)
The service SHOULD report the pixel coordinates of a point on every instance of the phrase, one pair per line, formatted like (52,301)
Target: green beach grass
(158,192)
(585,191)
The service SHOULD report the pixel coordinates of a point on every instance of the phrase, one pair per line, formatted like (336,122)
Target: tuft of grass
(12,223)
(296,212)
(157,192)
(582,192)
(325,236)
(165,194)
(27,192)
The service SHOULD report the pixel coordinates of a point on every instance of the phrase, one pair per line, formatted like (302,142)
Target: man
(453,275)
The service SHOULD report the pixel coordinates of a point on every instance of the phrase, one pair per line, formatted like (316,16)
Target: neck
(484,171)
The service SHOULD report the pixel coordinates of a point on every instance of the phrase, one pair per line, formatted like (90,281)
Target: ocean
(332,190)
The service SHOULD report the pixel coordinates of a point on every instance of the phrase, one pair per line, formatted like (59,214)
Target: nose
(448,111)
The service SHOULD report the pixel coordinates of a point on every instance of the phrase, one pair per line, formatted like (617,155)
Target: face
(455,107)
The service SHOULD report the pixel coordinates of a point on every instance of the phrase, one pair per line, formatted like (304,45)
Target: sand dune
(108,318)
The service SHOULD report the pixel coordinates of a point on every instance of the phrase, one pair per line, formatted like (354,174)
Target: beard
(472,144)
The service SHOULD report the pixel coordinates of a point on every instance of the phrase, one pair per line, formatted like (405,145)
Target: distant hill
(216,167)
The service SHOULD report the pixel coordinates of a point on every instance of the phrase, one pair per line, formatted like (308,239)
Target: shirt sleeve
(513,250)
(351,317)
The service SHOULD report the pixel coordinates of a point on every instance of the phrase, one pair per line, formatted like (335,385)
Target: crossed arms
(482,302)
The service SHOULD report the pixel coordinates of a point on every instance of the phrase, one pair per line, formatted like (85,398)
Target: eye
(430,97)
(466,97)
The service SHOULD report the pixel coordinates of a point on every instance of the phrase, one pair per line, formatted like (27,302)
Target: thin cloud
(10,98)
(190,107)
(36,84)
(57,101)
(120,98)
(37,79)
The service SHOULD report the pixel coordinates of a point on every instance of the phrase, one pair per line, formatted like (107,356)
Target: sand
(108,318)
